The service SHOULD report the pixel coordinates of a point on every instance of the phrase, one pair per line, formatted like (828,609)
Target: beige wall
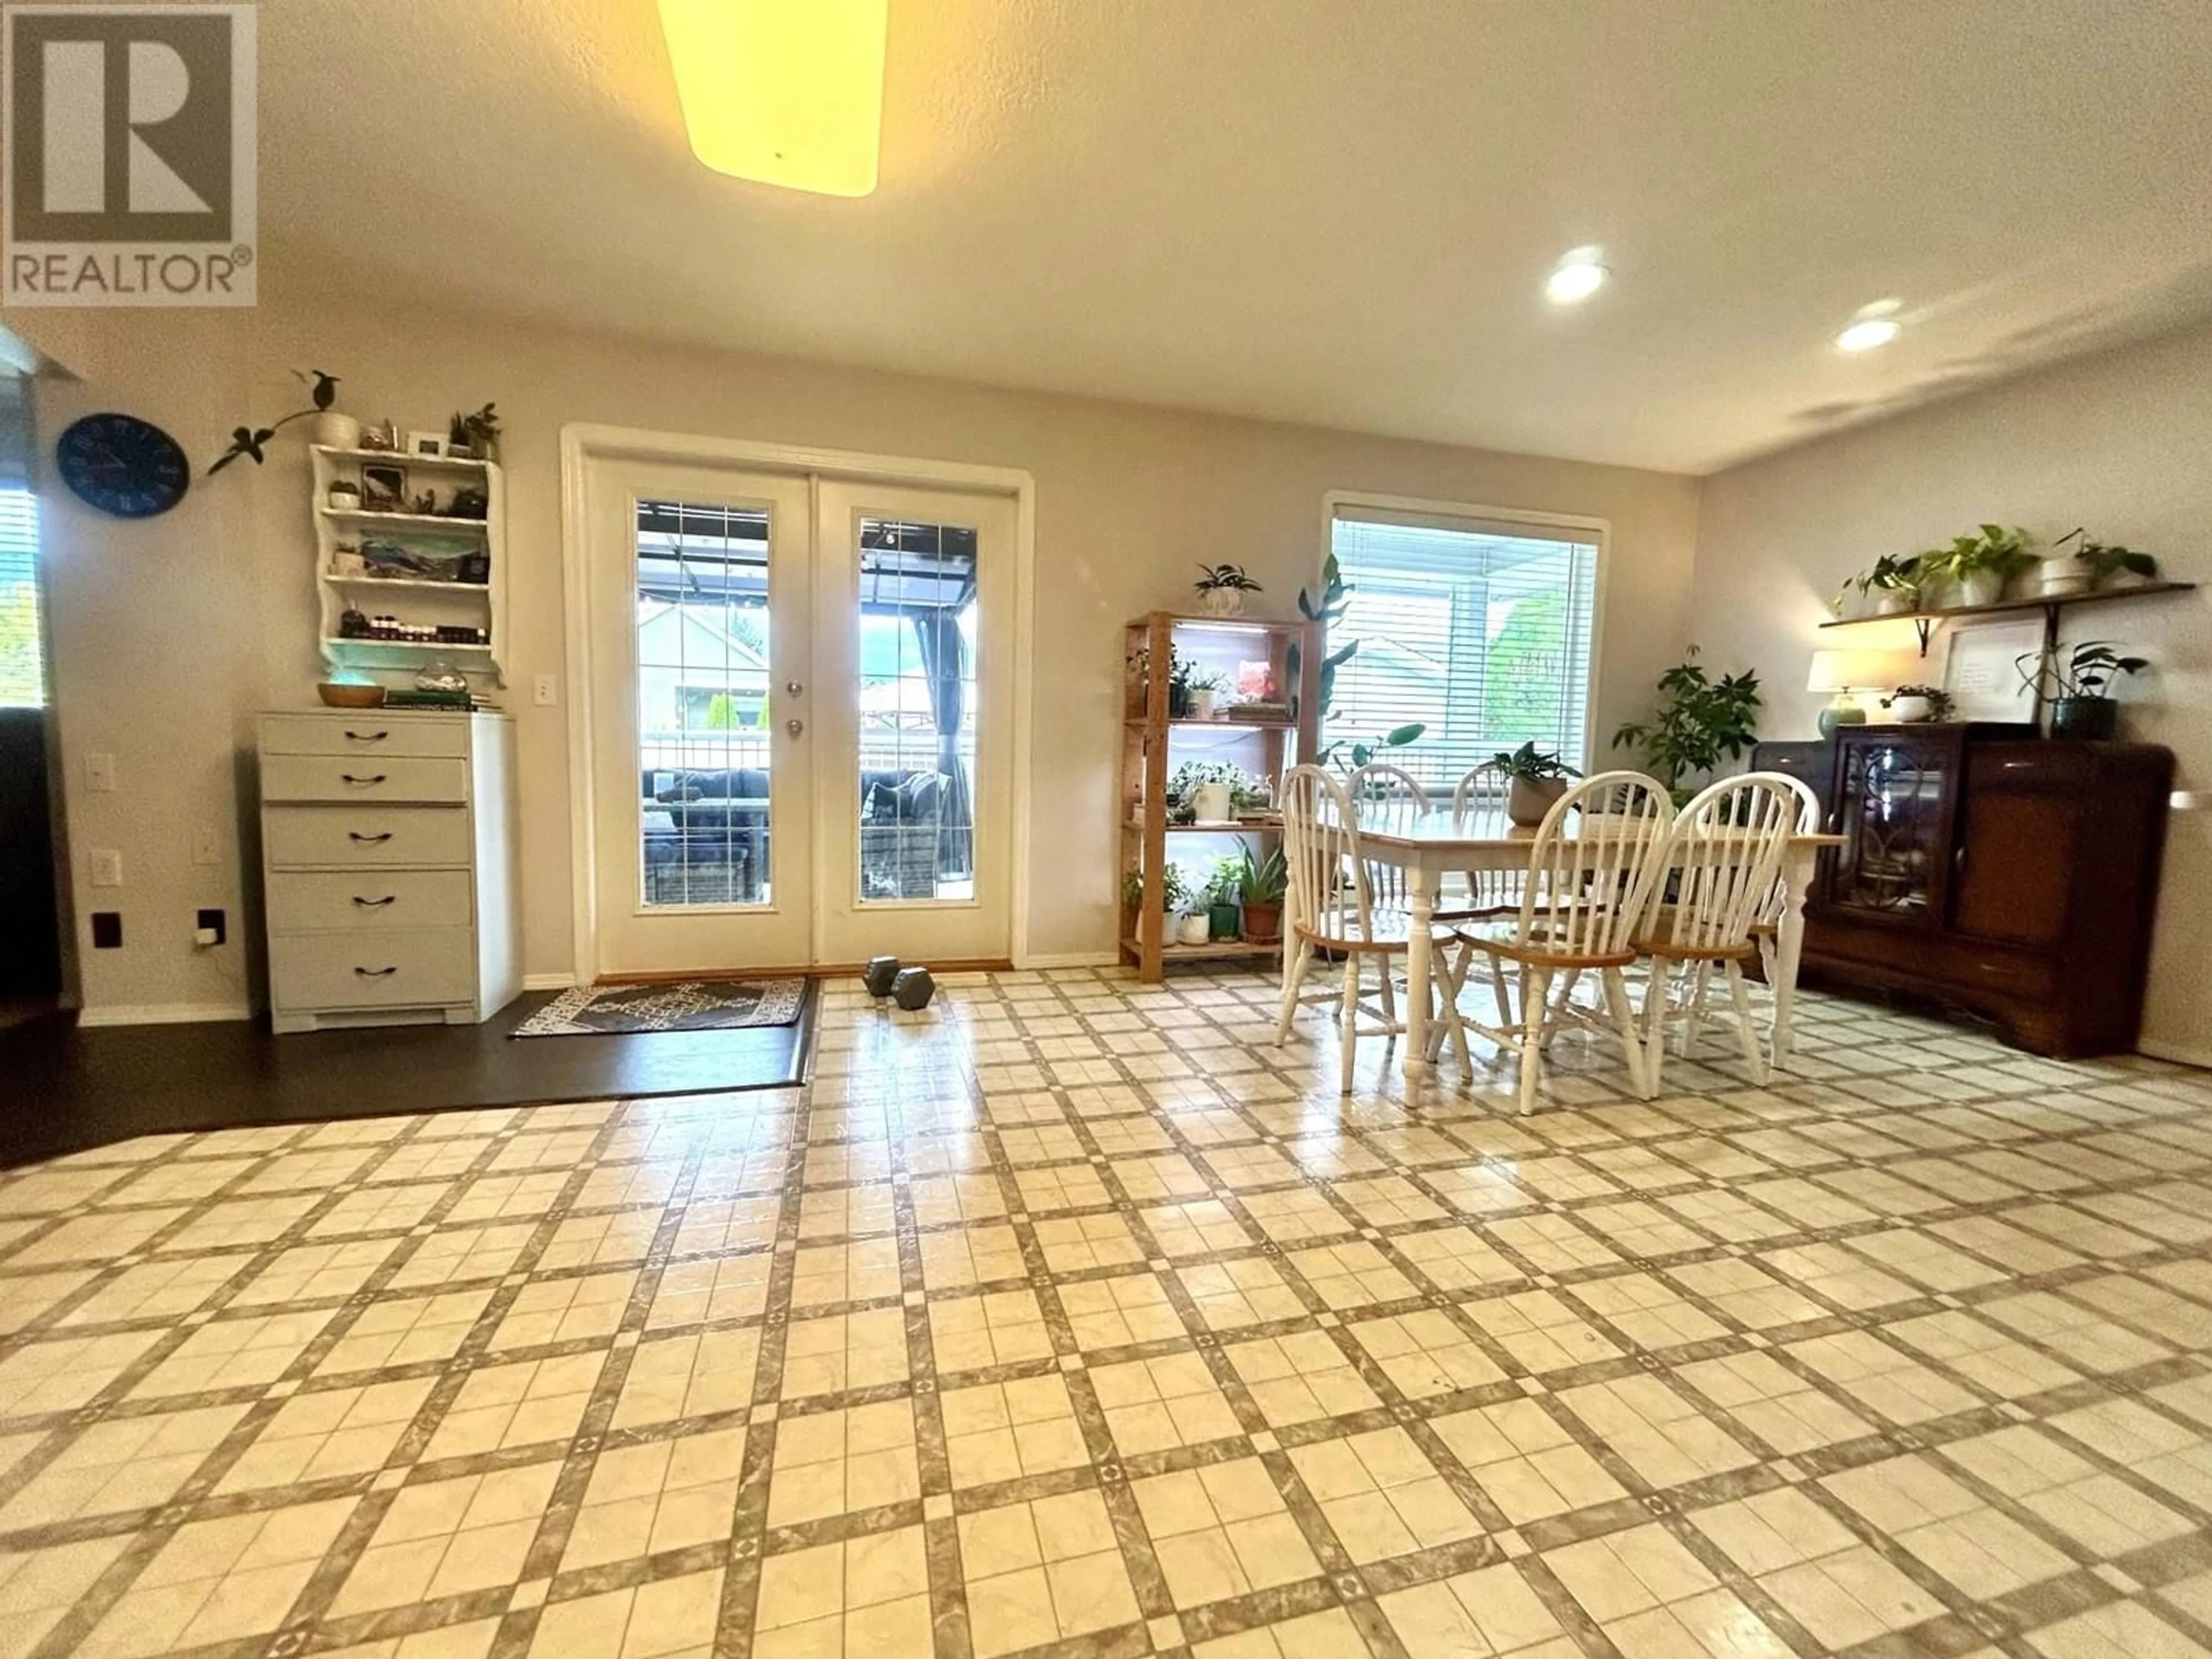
(169,634)
(2117,442)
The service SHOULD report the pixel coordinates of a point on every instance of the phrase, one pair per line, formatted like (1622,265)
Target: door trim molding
(583,443)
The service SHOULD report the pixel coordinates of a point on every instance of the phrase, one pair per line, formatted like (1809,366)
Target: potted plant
(1981,564)
(1221,898)
(1221,589)
(1539,779)
(1182,674)
(337,431)
(2099,564)
(1210,791)
(1909,705)
(2078,689)
(1892,586)
(1205,685)
(1698,723)
(1260,885)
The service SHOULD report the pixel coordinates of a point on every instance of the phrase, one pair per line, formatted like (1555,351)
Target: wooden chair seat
(1505,939)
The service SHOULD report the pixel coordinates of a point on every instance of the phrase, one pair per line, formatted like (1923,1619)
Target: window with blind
(22,671)
(1479,629)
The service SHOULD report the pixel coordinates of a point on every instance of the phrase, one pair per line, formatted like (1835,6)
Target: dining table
(1429,843)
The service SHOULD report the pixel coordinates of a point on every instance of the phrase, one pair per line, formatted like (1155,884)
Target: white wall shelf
(410,598)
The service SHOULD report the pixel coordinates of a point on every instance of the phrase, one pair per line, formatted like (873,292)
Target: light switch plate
(207,846)
(545,692)
(99,772)
(106,866)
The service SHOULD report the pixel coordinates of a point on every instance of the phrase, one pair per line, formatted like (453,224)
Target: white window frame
(1451,515)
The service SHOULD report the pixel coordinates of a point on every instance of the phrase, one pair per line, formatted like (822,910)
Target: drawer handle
(368,840)
(375,903)
(376,973)
(347,777)
(367,737)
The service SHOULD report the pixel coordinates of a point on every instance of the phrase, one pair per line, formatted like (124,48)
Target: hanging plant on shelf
(254,440)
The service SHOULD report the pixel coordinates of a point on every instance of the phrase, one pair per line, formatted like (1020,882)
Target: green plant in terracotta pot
(1260,885)
(2078,687)
(1538,778)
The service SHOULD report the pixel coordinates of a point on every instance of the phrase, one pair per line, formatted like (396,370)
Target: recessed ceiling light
(1576,278)
(1874,325)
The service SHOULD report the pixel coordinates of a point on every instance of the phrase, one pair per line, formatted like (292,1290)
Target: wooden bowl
(351,696)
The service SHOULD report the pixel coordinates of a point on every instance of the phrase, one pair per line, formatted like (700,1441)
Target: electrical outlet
(106,866)
(207,846)
(209,928)
(99,772)
(545,692)
(106,930)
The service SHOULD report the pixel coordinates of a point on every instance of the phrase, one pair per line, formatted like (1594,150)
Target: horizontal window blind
(1479,629)
(22,666)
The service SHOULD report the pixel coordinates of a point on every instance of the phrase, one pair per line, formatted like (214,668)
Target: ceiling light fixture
(785,92)
(1575,278)
(1873,326)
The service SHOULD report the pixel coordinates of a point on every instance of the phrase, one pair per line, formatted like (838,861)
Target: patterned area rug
(691,1004)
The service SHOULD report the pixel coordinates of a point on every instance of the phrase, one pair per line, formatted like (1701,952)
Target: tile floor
(1071,1315)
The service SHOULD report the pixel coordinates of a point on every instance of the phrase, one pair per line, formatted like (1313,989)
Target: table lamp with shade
(1846,673)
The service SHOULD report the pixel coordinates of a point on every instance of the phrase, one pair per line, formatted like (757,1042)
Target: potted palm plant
(1539,779)
(2078,688)
(1260,884)
(1698,723)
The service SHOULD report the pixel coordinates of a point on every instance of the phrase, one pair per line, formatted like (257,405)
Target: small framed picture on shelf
(426,443)
(383,489)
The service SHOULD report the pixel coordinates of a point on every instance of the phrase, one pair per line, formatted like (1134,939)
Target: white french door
(801,694)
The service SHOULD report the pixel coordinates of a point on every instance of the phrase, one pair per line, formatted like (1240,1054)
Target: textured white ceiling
(1336,212)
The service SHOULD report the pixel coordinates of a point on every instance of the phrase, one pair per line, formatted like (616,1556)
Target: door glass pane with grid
(703,705)
(1481,631)
(916,690)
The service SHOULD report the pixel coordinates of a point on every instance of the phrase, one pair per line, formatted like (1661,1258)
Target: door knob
(793,687)
(794,726)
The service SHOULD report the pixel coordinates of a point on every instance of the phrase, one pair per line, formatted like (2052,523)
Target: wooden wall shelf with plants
(1193,689)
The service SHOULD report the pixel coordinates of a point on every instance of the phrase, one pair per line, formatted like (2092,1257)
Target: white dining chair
(1332,908)
(1479,797)
(1594,864)
(1766,933)
(1380,792)
(1725,854)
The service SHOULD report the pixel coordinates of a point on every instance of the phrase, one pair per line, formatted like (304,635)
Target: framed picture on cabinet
(1981,671)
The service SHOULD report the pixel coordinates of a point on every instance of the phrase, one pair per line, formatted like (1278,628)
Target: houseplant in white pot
(1539,779)
(1221,589)
(1981,564)
(2103,564)
(1889,588)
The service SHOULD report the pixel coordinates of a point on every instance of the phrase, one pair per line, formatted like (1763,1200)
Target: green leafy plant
(479,432)
(1175,895)
(1185,781)
(323,392)
(1698,723)
(1263,880)
(2088,672)
(1532,764)
(1226,885)
(1328,608)
(1991,551)
(1939,706)
(1352,753)
(2106,559)
(1892,573)
(1224,575)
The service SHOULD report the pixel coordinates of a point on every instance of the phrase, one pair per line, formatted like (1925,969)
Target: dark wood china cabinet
(1988,869)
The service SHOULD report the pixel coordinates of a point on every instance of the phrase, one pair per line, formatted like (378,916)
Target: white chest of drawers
(388,852)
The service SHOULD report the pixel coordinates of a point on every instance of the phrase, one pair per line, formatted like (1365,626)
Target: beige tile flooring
(1072,1316)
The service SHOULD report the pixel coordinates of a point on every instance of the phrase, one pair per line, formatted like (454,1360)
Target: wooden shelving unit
(1153,745)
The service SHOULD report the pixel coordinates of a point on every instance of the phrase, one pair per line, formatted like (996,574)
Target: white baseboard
(548,981)
(1070,959)
(162,1013)
(2186,1054)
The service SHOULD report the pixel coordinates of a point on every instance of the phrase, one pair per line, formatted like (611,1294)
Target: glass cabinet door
(1892,811)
